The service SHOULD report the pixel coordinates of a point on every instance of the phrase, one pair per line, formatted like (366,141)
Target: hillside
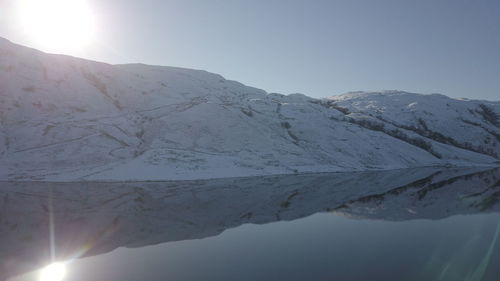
(67,119)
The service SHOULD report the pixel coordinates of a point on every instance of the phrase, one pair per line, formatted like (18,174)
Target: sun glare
(53,272)
(58,25)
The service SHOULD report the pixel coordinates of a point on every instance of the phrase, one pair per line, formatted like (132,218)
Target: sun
(58,25)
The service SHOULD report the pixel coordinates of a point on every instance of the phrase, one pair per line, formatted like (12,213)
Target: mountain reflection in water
(92,218)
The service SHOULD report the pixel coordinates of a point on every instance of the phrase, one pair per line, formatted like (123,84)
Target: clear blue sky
(315,47)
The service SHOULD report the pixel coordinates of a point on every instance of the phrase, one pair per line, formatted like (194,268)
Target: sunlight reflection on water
(53,272)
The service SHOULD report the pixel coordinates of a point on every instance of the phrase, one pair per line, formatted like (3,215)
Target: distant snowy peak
(403,97)
(65,118)
(391,93)
(468,124)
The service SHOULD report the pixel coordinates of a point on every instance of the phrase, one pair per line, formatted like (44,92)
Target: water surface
(420,224)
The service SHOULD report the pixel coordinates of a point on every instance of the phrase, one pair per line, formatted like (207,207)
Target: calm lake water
(418,224)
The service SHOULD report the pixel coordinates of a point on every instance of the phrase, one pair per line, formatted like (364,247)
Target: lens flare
(53,272)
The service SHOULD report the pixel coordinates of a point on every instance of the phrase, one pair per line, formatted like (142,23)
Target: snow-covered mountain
(65,118)
(468,124)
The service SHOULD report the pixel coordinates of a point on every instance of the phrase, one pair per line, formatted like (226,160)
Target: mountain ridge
(68,119)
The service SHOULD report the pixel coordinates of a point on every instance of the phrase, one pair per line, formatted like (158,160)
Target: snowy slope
(64,118)
(473,125)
